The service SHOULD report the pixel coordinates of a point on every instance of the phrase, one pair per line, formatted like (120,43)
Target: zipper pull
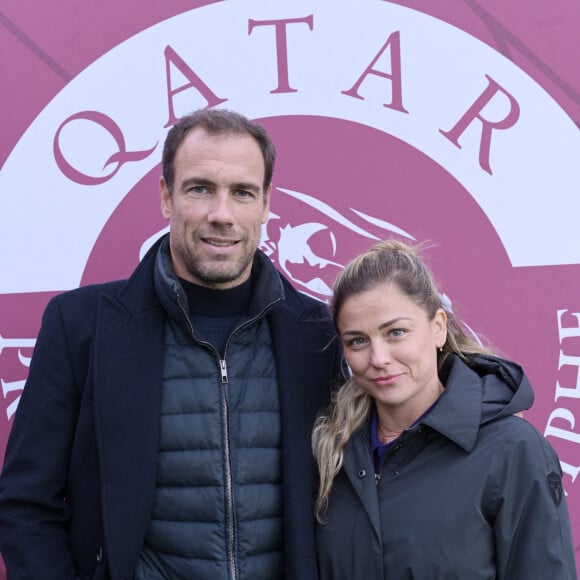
(224,370)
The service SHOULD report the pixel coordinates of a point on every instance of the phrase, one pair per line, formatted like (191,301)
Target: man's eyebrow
(196,181)
(203,181)
(247,186)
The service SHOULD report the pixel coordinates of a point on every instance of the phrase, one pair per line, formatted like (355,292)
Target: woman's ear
(440,327)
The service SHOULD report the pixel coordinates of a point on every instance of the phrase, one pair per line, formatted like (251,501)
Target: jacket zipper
(230,509)
(224,371)
(230,523)
(230,512)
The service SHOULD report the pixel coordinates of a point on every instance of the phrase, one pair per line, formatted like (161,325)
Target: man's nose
(221,210)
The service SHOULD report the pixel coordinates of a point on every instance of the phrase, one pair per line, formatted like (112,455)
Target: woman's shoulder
(514,437)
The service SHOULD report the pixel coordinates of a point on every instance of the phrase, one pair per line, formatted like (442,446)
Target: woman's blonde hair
(389,262)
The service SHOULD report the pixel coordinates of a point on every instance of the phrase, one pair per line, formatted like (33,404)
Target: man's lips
(219,242)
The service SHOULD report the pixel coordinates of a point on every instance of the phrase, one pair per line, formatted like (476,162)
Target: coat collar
(479,389)
(457,414)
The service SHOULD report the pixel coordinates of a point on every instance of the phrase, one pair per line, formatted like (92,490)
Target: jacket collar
(137,295)
(267,287)
(457,414)
(478,390)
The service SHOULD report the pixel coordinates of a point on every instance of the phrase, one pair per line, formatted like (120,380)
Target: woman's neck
(392,420)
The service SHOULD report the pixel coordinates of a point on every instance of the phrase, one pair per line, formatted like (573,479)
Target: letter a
(394,41)
(171,57)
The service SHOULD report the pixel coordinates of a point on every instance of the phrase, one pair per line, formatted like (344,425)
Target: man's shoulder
(295,298)
(81,302)
(136,287)
(294,303)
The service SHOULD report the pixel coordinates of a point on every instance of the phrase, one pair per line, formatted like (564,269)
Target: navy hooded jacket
(472,491)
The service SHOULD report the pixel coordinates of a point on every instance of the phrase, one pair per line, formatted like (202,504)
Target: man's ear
(165,199)
(267,195)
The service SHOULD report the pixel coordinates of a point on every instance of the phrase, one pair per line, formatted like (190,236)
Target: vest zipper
(229,486)
(224,371)
(230,508)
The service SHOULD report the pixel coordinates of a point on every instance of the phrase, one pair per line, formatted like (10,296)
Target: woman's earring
(440,349)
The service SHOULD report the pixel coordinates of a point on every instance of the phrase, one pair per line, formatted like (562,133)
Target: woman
(427,469)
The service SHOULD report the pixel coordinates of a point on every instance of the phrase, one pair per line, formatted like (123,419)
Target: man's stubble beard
(219,270)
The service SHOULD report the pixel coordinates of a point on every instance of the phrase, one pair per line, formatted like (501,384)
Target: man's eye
(198,189)
(243,193)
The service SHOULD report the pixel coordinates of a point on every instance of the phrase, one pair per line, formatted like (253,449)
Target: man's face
(217,208)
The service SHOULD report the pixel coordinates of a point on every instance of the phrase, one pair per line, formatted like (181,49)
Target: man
(164,430)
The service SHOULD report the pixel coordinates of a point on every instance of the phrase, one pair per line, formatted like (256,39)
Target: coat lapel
(127,373)
(304,369)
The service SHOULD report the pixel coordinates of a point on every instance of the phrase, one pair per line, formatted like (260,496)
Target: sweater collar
(266,285)
(213,302)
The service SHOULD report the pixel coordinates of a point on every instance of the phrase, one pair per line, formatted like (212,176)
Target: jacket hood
(506,389)
(478,390)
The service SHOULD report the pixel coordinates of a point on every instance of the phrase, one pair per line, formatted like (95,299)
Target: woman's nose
(380,354)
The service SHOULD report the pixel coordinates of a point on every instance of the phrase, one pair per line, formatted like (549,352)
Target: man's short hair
(216,122)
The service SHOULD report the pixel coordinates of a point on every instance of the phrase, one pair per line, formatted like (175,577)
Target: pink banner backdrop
(453,122)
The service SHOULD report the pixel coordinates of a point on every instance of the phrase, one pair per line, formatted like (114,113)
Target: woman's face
(391,347)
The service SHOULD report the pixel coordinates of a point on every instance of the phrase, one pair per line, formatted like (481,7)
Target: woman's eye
(397,332)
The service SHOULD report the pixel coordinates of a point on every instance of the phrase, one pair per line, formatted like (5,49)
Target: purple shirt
(378,448)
